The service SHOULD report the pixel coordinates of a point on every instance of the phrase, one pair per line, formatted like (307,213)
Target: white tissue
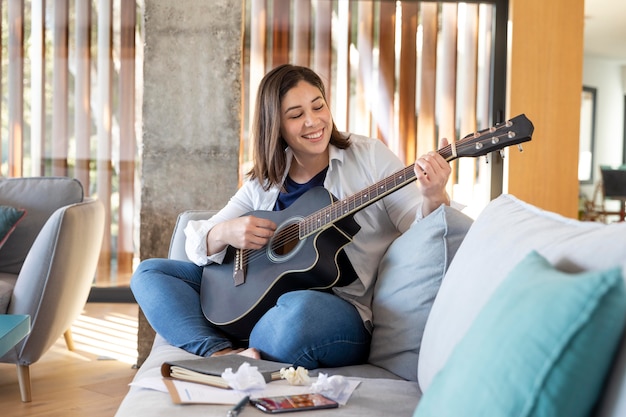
(332,387)
(246,378)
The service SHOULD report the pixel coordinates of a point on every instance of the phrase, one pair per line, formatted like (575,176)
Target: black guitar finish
(288,263)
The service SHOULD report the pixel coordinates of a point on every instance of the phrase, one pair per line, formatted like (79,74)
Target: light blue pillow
(409,277)
(541,346)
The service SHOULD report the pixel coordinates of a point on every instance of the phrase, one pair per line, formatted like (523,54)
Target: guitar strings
(316,220)
(292,232)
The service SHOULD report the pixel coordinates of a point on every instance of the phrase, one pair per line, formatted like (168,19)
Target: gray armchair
(48,263)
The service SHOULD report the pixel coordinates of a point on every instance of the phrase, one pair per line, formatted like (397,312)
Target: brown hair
(268,145)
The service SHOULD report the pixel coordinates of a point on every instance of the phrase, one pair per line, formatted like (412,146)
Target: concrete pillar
(191,117)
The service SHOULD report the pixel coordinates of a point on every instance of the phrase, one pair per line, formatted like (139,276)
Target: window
(406,72)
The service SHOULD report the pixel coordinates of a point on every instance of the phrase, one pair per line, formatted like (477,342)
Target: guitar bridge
(239,276)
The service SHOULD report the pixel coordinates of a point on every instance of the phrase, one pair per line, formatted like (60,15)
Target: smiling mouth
(313,136)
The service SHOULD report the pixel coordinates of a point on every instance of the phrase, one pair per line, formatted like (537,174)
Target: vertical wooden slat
(82,93)
(1,74)
(485,57)
(426,140)
(16,87)
(342,82)
(447,69)
(302,32)
(323,43)
(60,94)
(280,32)
(364,77)
(125,246)
(258,44)
(103,121)
(407,82)
(37,87)
(386,74)
(467,61)
(484,184)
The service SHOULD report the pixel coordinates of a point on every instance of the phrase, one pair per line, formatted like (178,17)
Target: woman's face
(306,122)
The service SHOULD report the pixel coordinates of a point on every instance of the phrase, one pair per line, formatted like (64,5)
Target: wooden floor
(90,381)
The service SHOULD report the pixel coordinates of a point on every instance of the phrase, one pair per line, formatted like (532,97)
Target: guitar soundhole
(285,242)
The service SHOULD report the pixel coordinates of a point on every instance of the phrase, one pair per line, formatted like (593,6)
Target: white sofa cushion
(541,346)
(506,231)
(409,277)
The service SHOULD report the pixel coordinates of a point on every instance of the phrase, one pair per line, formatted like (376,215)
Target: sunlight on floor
(111,336)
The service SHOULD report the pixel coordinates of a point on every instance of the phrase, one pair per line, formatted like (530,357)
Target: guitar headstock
(512,132)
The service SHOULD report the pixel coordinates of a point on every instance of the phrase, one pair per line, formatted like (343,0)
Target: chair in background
(614,187)
(592,209)
(48,263)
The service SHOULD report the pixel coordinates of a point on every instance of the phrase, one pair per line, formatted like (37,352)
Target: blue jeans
(308,328)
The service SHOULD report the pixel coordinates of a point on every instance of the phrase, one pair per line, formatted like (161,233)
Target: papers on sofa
(183,392)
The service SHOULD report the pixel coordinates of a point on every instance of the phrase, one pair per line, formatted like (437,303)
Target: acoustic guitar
(306,251)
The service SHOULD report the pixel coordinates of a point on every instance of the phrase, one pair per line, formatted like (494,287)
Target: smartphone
(288,403)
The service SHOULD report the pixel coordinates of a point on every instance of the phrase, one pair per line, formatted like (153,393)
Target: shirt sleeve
(454,204)
(196,231)
(195,244)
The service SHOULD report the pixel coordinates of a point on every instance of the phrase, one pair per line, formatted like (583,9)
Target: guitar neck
(339,209)
(514,131)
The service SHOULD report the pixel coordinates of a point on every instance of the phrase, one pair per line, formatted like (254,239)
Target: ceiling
(605,28)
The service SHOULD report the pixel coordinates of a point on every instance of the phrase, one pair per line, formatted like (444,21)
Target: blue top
(294,190)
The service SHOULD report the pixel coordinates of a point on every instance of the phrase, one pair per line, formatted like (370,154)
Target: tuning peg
(521,149)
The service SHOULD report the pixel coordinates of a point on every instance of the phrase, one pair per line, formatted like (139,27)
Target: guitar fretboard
(476,144)
(342,208)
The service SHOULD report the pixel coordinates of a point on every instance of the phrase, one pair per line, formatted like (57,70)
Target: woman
(296,146)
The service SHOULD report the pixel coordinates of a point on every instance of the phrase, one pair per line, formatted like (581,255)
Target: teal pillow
(541,346)
(9,217)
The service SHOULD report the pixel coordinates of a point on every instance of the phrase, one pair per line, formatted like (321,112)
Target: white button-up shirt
(350,171)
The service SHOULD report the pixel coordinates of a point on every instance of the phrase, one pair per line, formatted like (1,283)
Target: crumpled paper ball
(298,376)
(246,378)
(332,387)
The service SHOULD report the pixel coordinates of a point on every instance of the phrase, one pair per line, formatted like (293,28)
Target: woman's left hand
(432,172)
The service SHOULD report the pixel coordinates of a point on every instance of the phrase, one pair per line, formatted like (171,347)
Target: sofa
(519,312)
(50,240)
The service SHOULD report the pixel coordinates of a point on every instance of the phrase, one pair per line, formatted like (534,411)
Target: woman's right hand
(247,232)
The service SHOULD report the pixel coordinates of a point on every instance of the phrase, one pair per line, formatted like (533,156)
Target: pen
(234,412)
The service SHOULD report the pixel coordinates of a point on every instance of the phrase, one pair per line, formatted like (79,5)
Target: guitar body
(314,262)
